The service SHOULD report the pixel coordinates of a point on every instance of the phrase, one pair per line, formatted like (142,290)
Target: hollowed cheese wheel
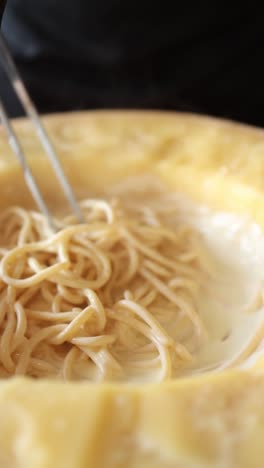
(214,420)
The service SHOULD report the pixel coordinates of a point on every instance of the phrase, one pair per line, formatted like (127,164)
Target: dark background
(204,57)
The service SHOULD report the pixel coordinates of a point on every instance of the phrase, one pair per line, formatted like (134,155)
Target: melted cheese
(231,301)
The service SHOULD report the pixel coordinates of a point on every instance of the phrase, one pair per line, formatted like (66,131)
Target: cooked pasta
(113,298)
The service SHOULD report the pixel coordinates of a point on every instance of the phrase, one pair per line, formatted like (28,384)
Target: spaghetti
(113,298)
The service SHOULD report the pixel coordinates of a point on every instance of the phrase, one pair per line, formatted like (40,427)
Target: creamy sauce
(230,301)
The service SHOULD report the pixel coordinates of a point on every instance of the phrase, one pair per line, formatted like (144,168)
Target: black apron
(193,56)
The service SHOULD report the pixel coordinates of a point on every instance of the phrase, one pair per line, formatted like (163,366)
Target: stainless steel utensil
(31,112)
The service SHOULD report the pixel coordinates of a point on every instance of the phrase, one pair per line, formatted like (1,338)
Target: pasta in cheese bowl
(150,311)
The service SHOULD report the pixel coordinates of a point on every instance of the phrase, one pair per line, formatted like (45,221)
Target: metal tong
(31,111)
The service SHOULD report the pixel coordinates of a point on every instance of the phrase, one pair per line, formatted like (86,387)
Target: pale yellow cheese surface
(213,420)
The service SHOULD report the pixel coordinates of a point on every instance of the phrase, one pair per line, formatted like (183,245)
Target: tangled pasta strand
(113,298)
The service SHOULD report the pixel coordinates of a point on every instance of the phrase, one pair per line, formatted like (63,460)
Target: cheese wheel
(212,420)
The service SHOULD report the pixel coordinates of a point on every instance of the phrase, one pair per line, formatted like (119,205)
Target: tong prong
(29,178)
(30,109)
